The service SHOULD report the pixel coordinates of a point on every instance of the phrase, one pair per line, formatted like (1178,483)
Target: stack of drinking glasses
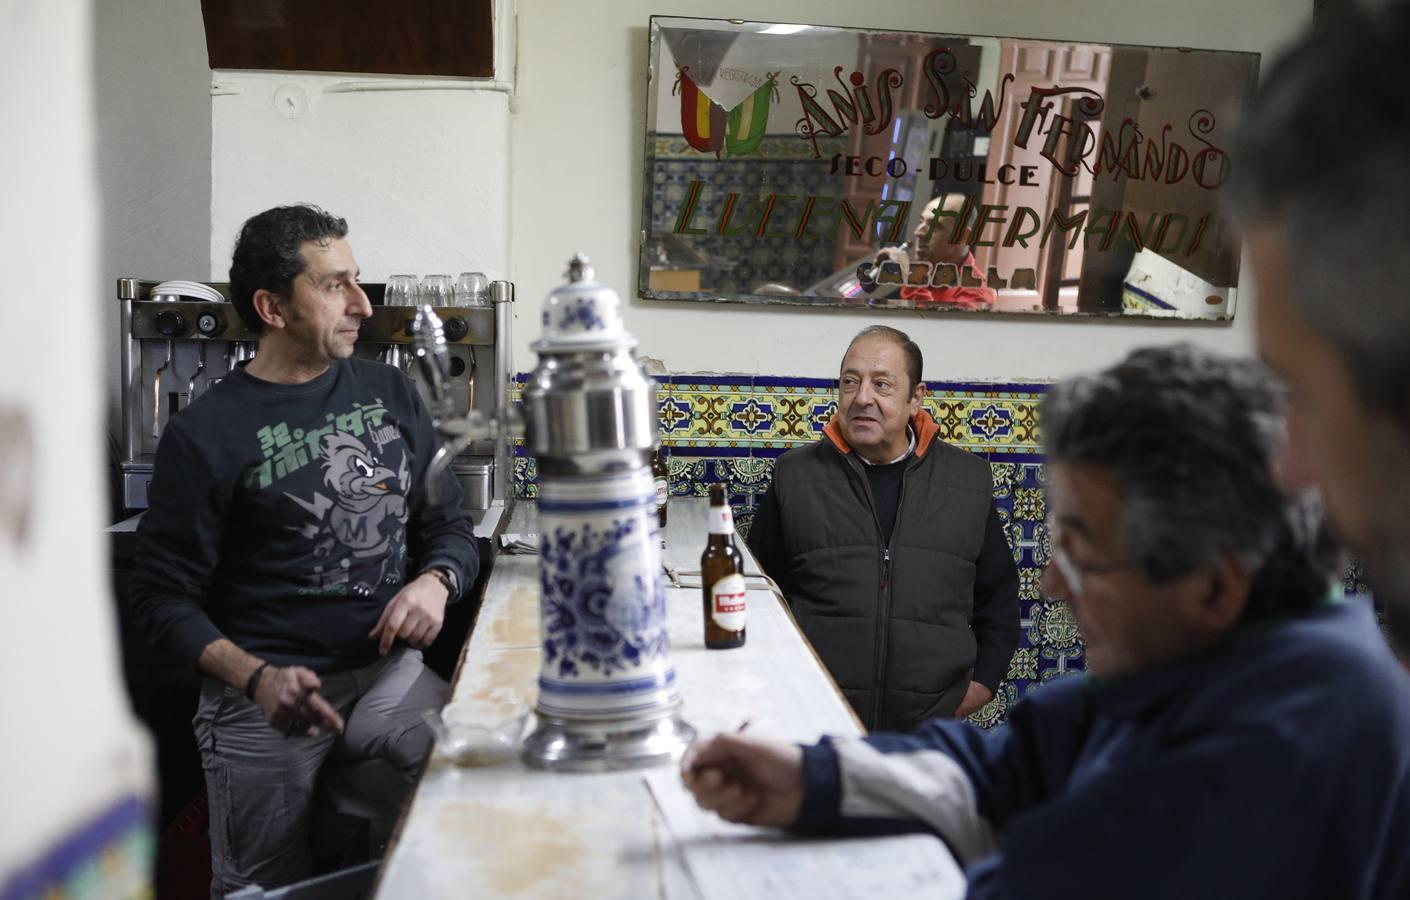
(470,289)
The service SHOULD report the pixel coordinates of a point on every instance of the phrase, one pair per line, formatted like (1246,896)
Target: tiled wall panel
(731,429)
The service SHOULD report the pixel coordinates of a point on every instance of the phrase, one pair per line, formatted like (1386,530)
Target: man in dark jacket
(887,546)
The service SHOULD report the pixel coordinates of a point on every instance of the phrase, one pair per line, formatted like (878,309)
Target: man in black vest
(887,546)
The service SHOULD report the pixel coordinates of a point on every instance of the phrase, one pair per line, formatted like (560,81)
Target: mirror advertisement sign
(846,167)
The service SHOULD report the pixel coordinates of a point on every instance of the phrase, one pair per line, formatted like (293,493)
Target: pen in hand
(696,768)
(745,778)
(296,716)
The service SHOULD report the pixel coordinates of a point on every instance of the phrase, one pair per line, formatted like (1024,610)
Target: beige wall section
(577,164)
(418,167)
(70,747)
(151,96)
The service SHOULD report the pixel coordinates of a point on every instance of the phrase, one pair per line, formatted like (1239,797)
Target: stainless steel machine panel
(173,349)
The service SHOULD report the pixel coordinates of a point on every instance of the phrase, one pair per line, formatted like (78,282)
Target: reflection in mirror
(836,166)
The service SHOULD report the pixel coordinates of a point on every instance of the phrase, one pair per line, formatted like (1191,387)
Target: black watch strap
(253,683)
(445,577)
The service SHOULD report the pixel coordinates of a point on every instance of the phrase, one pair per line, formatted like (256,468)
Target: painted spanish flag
(703,121)
(749,120)
(706,125)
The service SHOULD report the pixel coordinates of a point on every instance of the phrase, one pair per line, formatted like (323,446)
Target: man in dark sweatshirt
(290,554)
(888,549)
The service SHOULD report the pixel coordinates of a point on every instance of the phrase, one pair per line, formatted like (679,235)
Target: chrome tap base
(581,745)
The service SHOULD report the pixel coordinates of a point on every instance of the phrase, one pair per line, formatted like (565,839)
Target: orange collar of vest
(923,425)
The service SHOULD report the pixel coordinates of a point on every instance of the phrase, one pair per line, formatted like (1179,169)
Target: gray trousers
(263,787)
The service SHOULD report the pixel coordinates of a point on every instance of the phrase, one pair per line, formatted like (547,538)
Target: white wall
(152,100)
(577,172)
(420,169)
(70,747)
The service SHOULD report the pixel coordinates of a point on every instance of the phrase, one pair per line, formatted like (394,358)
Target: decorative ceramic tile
(111,855)
(732,428)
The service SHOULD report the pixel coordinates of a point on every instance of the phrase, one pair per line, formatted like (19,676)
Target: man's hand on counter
(414,615)
(746,779)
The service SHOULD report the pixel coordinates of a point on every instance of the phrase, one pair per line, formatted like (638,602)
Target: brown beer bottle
(722,578)
(661,474)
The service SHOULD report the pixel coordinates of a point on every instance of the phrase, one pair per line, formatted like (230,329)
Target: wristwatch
(446,577)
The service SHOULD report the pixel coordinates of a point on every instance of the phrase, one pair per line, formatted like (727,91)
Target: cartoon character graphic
(367,512)
(364,505)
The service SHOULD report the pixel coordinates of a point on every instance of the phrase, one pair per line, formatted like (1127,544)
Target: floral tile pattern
(731,429)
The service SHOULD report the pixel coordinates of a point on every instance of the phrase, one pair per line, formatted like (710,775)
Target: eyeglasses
(1074,573)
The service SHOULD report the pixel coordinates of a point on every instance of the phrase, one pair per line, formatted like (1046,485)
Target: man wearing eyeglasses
(1243,731)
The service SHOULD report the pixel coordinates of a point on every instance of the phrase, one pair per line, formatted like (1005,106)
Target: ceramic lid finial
(580,268)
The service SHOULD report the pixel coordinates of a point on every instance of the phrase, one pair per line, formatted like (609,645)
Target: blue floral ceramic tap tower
(607,690)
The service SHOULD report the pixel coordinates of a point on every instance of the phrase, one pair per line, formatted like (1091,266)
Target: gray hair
(1190,439)
(1321,155)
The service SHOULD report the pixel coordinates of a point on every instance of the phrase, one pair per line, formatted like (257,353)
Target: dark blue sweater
(286,517)
(1275,766)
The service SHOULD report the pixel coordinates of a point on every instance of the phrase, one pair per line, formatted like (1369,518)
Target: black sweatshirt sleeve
(178,542)
(439,534)
(995,621)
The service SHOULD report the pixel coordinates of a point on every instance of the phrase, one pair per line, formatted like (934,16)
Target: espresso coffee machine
(180,341)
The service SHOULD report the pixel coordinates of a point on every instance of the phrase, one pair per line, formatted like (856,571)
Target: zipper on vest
(883,629)
(879,649)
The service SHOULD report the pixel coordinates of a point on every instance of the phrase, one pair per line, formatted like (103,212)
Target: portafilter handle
(455,432)
(433,359)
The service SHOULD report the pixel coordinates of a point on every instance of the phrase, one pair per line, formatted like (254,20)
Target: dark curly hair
(1190,438)
(267,253)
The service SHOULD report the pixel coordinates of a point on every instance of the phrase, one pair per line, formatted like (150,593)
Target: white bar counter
(513,831)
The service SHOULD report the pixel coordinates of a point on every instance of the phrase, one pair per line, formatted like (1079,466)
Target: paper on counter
(519,543)
(740,861)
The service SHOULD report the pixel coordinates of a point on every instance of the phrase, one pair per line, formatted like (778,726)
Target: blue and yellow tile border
(994,420)
(732,428)
(110,855)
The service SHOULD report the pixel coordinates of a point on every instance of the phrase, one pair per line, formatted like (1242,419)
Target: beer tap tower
(607,689)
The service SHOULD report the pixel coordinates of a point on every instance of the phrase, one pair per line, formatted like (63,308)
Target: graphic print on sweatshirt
(355,515)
